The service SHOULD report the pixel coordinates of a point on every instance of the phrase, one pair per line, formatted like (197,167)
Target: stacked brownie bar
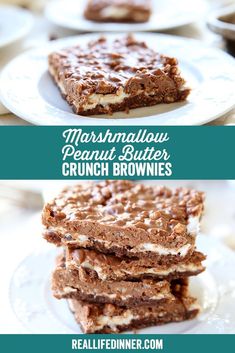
(128,252)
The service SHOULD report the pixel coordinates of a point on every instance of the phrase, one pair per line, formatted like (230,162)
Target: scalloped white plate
(39,312)
(166,15)
(27,90)
(15,24)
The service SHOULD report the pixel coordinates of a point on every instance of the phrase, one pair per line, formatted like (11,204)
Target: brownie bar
(108,318)
(131,11)
(115,75)
(125,219)
(84,285)
(112,268)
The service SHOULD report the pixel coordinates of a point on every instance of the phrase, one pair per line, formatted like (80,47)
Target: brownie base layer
(125,218)
(129,11)
(112,268)
(138,101)
(95,318)
(82,284)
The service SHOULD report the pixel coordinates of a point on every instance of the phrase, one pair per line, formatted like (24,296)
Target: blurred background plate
(223,22)
(15,24)
(167,14)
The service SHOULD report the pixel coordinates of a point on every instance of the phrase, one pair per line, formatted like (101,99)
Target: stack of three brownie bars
(128,252)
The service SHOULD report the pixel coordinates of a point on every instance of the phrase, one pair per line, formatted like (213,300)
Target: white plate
(166,15)
(27,90)
(34,305)
(15,24)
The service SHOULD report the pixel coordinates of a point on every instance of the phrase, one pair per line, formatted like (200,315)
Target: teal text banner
(117,343)
(117,152)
